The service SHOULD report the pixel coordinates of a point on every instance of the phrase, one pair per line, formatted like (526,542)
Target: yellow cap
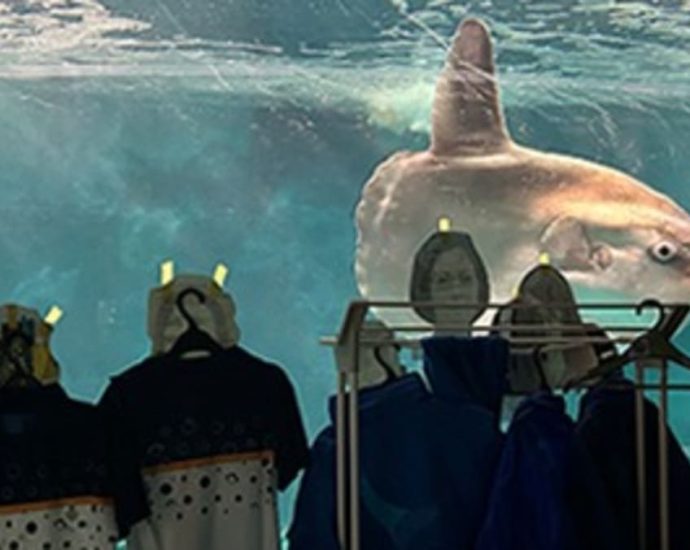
(444,224)
(53,316)
(167,272)
(220,274)
(544,259)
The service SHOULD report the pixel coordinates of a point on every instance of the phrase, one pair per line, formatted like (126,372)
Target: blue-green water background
(242,131)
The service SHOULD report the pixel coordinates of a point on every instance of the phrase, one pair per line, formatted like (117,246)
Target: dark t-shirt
(211,439)
(55,487)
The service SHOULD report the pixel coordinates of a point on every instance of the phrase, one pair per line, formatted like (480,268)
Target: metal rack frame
(352,336)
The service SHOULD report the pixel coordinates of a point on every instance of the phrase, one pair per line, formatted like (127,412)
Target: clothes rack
(353,335)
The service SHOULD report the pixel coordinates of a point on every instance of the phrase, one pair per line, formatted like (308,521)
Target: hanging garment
(427,457)
(213,439)
(546,495)
(55,488)
(606,425)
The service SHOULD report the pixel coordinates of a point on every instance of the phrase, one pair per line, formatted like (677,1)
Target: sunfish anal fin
(466,113)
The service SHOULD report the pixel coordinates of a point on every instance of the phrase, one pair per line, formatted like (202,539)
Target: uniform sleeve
(314,522)
(131,505)
(293,450)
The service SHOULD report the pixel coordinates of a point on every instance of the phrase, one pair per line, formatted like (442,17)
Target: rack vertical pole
(341,460)
(663,458)
(354,451)
(640,452)
(347,426)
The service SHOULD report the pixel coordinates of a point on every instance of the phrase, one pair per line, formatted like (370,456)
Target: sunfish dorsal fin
(466,113)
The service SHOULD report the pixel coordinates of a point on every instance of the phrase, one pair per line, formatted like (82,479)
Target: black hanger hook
(389,370)
(181,307)
(656,304)
(537,357)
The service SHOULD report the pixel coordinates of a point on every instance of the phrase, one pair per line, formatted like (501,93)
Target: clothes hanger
(193,339)
(391,375)
(539,358)
(653,344)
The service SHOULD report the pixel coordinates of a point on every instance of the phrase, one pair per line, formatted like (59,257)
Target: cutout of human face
(454,279)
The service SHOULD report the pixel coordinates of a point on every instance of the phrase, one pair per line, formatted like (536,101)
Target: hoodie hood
(540,405)
(613,391)
(469,370)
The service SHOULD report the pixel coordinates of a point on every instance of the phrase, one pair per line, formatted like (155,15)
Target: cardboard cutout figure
(546,299)
(25,355)
(216,315)
(448,268)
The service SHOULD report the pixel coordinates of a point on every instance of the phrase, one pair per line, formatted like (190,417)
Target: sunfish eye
(664,251)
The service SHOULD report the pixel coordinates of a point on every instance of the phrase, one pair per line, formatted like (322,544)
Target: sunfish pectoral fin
(569,246)
(466,112)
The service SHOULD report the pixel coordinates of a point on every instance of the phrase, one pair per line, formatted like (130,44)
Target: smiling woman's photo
(449,268)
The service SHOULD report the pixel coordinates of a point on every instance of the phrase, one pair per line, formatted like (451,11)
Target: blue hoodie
(606,426)
(547,494)
(427,457)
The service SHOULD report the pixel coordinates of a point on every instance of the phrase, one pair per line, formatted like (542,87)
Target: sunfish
(603,229)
